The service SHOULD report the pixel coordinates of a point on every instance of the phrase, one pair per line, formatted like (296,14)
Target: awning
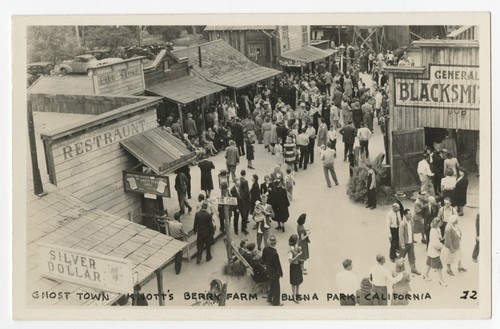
(185,90)
(161,151)
(67,222)
(308,54)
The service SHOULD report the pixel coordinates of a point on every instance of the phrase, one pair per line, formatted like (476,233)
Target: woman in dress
(401,287)
(294,255)
(348,87)
(434,251)
(450,162)
(289,184)
(266,133)
(303,240)
(278,151)
(452,252)
(274,137)
(250,152)
(289,152)
(460,197)
(279,201)
(448,184)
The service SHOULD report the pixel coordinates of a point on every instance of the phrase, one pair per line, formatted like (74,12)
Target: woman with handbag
(434,252)
(303,241)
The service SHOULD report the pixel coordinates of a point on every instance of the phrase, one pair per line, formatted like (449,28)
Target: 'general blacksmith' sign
(85,268)
(448,86)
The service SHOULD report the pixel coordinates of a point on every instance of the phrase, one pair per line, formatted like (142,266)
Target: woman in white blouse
(434,252)
(448,184)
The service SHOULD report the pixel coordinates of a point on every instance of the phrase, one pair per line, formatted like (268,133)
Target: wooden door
(257,53)
(407,149)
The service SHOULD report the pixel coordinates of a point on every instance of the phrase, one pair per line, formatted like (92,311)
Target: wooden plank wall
(78,104)
(295,37)
(133,83)
(96,176)
(177,70)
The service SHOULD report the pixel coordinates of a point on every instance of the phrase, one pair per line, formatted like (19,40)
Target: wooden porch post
(159,281)
(181,119)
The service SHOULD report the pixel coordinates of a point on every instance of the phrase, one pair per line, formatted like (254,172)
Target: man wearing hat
(348,133)
(177,129)
(203,227)
(274,271)
(190,126)
(239,135)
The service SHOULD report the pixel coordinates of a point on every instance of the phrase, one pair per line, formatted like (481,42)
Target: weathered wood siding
(295,37)
(77,104)
(89,165)
(450,116)
(124,78)
(175,70)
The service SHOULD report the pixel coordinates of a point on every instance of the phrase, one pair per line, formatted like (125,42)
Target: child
(289,183)
(278,150)
(259,217)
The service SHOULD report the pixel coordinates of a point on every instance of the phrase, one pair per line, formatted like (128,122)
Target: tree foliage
(51,43)
(110,36)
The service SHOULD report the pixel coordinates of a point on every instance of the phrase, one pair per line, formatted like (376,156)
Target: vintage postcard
(315,166)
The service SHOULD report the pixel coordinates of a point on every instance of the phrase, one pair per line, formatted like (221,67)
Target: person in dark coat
(254,193)
(204,229)
(437,168)
(460,195)
(236,193)
(271,258)
(239,136)
(190,126)
(250,150)
(282,132)
(180,185)
(278,199)
(266,186)
(348,135)
(187,171)
(207,183)
(245,201)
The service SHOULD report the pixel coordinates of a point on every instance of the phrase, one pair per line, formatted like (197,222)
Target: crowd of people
(293,120)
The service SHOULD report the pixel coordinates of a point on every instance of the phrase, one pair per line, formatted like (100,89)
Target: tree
(51,43)
(110,36)
(167,32)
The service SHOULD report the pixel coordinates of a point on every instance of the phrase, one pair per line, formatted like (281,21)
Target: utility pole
(37,179)
(78,41)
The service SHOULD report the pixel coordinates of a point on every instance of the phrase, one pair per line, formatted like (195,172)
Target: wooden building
(438,96)
(218,62)
(170,77)
(257,42)
(282,47)
(87,158)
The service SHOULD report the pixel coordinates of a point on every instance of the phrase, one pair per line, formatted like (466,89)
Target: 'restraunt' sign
(448,86)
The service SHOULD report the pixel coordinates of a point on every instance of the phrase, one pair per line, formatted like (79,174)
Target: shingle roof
(66,221)
(308,54)
(185,90)
(224,65)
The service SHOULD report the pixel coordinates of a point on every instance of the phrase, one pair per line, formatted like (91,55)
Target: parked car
(40,68)
(82,64)
(99,53)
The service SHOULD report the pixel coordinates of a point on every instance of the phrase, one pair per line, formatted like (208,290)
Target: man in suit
(203,227)
(190,126)
(430,211)
(348,133)
(181,185)
(271,258)
(232,158)
(239,135)
(245,201)
(406,241)
(236,193)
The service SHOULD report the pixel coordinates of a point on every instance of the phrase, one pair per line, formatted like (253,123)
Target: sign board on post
(85,268)
(146,183)
(121,78)
(227,201)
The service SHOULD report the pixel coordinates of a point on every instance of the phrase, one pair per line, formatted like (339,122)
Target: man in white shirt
(327,155)
(393,219)
(231,110)
(364,135)
(347,283)
(380,277)
(378,101)
(425,174)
